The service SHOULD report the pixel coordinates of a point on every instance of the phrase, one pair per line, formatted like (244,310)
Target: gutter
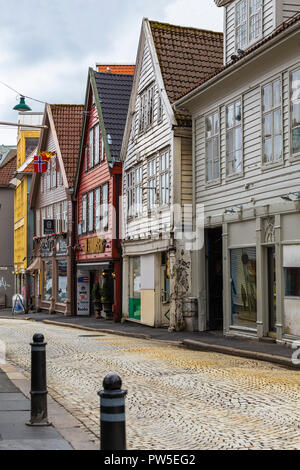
(269,44)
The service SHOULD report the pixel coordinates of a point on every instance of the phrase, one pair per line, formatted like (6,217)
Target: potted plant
(106,298)
(96,293)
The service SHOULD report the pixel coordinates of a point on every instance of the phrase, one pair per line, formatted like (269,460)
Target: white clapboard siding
(268,25)
(265,185)
(146,146)
(290,8)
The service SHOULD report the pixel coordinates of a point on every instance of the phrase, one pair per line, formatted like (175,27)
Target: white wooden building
(246,162)
(157,171)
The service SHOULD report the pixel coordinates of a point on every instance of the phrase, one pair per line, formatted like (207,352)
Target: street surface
(177,399)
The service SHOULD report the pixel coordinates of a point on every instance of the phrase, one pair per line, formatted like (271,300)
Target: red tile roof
(7,171)
(68,124)
(285,25)
(186,55)
(115,68)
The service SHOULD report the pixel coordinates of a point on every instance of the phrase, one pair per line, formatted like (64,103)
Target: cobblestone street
(177,399)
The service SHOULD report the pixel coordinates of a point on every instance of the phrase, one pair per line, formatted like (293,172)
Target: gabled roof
(114,94)
(186,55)
(7,171)
(116,68)
(67,120)
(27,167)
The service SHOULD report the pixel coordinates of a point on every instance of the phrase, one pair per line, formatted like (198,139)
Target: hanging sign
(95,245)
(49,226)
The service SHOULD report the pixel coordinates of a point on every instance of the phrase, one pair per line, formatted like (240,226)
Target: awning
(92,266)
(35,265)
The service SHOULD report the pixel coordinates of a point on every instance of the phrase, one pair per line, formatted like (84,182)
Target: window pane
(62,281)
(268,125)
(230,115)
(230,147)
(241,35)
(238,112)
(255,26)
(209,126)
(296,85)
(97,156)
(238,161)
(292,282)
(296,140)
(238,138)
(277,93)
(296,114)
(277,122)
(278,147)
(243,287)
(91,149)
(216,123)
(268,97)
(241,12)
(47,291)
(268,150)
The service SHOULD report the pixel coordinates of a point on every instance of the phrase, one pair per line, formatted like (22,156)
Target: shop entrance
(272,289)
(214,269)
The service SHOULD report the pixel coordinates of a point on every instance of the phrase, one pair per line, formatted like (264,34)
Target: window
(86,158)
(160,109)
(64,216)
(151,184)
(62,281)
(50,212)
(97,144)
(43,218)
(248,22)
(243,287)
(292,282)
(164,178)
(234,137)
(91,211)
(48,176)
(105,207)
(295,112)
(47,284)
(91,148)
(212,130)
(146,109)
(98,209)
(53,172)
(58,217)
(84,213)
(138,190)
(272,122)
(102,150)
(130,194)
(38,222)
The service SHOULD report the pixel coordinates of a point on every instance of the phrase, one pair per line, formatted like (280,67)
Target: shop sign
(83,294)
(49,226)
(93,246)
(46,248)
(61,247)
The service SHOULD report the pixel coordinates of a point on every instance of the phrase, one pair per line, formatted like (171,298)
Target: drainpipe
(118,177)
(73,256)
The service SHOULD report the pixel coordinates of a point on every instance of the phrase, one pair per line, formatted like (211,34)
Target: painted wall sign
(61,247)
(83,294)
(94,245)
(46,248)
(3,284)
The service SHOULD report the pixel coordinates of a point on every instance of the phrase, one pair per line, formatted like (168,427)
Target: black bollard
(112,414)
(39,414)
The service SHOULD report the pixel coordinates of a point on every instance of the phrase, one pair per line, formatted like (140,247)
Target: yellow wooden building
(27,142)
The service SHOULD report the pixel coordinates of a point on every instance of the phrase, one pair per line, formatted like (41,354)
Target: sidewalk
(205,341)
(66,433)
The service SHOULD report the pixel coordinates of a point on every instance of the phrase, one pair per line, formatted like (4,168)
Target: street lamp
(22,106)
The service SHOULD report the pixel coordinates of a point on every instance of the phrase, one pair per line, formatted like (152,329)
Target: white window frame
(91,148)
(58,224)
(53,172)
(212,114)
(160,108)
(138,190)
(292,100)
(247,22)
(84,213)
(96,144)
(90,211)
(102,150)
(44,217)
(130,184)
(98,209)
(272,110)
(152,183)
(105,208)
(146,112)
(164,178)
(64,227)
(233,128)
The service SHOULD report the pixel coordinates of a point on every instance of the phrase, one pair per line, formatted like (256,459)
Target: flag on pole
(40,166)
(47,155)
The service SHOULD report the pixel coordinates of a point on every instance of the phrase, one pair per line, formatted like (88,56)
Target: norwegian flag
(40,166)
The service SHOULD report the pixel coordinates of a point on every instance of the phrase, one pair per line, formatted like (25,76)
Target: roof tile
(7,171)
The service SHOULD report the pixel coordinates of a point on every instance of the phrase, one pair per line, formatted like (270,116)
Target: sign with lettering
(49,226)
(83,293)
(61,247)
(95,245)
(46,248)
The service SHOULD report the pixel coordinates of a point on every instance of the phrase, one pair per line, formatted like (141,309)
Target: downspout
(119,247)
(73,256)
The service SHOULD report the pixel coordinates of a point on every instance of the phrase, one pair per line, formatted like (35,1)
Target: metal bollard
(39,415)
(112,414)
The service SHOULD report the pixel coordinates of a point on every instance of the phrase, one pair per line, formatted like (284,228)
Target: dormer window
(248,22)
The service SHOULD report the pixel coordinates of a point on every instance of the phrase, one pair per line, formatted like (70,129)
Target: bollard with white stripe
(112,414)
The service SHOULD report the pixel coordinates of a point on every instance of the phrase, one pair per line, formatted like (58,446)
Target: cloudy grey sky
(47,46)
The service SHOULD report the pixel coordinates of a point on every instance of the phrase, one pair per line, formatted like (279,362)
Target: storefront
(261,275)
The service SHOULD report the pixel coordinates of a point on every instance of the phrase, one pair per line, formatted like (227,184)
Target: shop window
(62,281)
(243,287)
(292,282)
(135,288)
(47,284)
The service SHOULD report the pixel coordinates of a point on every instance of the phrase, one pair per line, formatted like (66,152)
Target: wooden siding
(147,145)
(290,8)
(186,171)
(268,26)
(266,184)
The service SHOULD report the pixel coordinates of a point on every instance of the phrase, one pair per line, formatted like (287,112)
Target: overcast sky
(47,46)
